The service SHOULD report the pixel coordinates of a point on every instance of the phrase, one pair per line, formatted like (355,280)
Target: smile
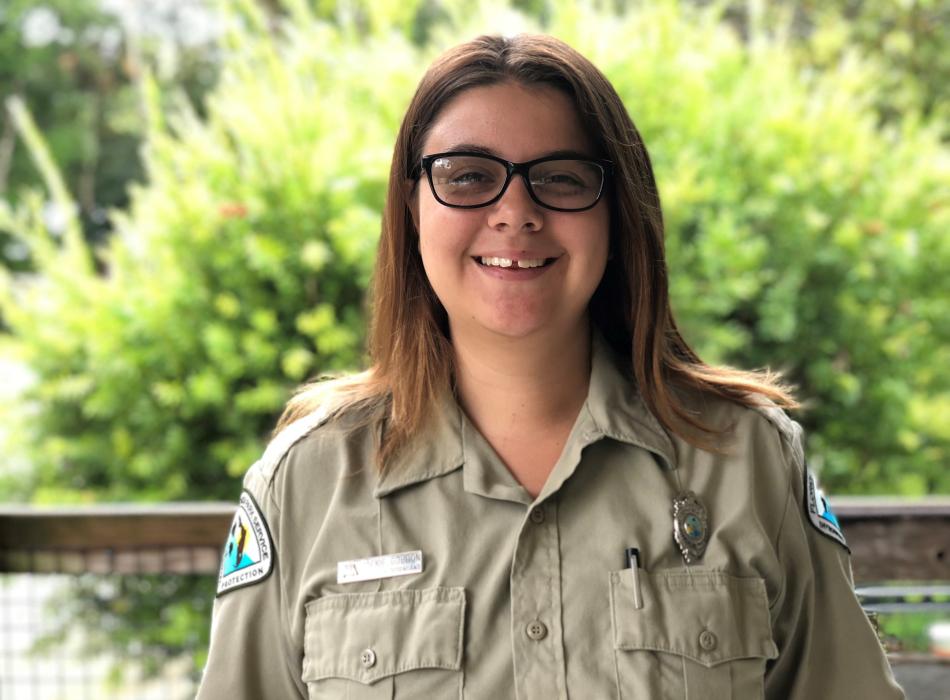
(519,264)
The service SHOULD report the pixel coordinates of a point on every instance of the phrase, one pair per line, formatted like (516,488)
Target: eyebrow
(475,148)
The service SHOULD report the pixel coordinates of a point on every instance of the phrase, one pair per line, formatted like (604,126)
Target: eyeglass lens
(472,181)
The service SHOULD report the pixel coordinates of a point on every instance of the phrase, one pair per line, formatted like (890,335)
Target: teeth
(505,262)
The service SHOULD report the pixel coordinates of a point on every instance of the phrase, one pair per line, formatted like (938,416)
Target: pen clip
(633,563)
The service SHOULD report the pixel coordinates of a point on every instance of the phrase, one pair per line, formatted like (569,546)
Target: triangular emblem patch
(819,511)
(248,556)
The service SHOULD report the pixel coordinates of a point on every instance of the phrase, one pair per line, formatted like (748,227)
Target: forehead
(515,122)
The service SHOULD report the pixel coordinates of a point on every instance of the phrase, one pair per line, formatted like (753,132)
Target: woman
(537,490)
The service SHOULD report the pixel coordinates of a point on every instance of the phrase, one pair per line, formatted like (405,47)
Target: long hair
(410,352)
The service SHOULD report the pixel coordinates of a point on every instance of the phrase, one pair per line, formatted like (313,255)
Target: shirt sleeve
(251,655)
(827,646)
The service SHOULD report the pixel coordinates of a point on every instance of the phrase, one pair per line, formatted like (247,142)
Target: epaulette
(790,430)
(266,466)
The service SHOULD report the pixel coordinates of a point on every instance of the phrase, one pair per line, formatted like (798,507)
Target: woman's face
(517,124)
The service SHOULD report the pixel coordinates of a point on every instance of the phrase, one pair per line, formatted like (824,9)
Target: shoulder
(762,425)
(320,445)
(789,430)
(262,471)
(757,457)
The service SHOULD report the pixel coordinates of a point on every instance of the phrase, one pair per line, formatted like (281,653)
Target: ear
(412,199)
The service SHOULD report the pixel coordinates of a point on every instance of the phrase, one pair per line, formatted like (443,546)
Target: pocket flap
(368,636)
(707,616)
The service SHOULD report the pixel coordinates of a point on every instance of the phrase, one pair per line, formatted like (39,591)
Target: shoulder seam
(789,431)
(281,444)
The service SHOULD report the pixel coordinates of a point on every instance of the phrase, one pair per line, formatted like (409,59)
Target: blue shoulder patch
(819,510)
(248,556)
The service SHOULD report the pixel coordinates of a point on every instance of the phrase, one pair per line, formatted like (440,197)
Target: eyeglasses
(468,180)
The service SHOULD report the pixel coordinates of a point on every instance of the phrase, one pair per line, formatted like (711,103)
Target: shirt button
(368,658)
(707,640)
(536,630)
(537,515)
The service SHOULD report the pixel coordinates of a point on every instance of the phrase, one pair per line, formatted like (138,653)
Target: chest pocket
(698,634)
(390,645)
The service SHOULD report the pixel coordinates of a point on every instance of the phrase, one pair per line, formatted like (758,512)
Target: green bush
(74,65)
(800,235)
(237,272)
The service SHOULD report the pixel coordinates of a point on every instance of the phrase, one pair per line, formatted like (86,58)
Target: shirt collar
(437,450)
(617,409)
(613,409)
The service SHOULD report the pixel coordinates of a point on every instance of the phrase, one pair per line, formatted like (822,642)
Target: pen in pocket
(633,563)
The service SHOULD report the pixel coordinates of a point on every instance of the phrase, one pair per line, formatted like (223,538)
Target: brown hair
(411,355)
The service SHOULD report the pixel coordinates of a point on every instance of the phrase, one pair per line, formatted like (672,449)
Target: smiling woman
(474,257)
(537,489)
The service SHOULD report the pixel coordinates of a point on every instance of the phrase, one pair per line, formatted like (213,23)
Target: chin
(515,321)
(519,327)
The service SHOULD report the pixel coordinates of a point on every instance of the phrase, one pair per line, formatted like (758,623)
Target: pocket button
(707,640)
(368,658)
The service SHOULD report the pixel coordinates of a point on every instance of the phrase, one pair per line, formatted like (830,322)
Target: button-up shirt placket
(536,631)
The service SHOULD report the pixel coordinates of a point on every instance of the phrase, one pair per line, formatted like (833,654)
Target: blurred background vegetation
(190,198)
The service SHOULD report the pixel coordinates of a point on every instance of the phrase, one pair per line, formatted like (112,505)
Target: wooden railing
(890,539)
(895,539)
(176,538)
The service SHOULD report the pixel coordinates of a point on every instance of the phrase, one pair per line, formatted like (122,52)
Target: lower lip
(514,273)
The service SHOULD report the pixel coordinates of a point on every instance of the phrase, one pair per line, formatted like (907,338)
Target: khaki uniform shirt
(532,598)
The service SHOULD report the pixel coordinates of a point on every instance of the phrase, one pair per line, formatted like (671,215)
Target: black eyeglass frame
(606,166)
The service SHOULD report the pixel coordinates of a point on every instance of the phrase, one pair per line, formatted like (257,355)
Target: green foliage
(145,619)
(909,632)
(75,67)
(907,42)
(237,272)
(800,234)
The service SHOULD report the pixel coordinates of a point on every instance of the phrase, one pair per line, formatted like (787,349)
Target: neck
(532,382)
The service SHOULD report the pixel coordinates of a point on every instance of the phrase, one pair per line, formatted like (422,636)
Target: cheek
(442,249)
(445,234)
(429,243)
(596,234)
(435,247)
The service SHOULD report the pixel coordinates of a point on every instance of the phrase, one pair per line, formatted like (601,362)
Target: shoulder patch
(819,511)
(248,556)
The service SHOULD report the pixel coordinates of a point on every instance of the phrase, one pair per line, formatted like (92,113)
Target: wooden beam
(896,539)
(122,526)
(890,539)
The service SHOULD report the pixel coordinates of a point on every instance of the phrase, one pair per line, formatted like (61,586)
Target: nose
(516,210)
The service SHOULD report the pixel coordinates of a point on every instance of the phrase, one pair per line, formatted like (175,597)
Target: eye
(563,182)
(473,176)
(559,179)
(566,176)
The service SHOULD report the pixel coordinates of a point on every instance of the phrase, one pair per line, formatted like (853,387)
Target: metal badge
(690,526)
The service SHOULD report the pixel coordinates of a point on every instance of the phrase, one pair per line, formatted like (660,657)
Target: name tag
(386,566)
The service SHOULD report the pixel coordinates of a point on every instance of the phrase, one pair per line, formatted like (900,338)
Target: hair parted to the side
(410,352)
